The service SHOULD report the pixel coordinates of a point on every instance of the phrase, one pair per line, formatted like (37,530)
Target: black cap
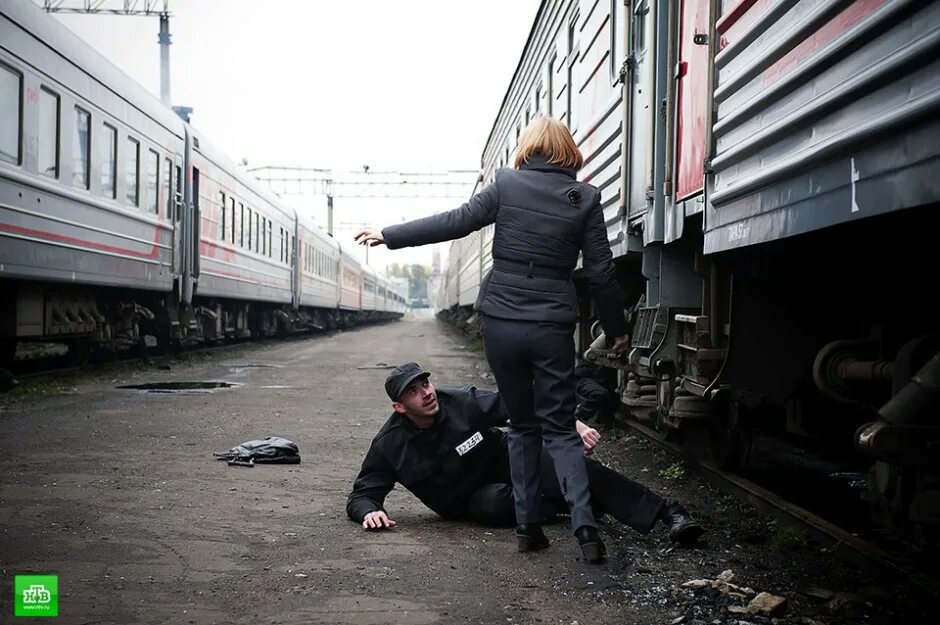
(401,376)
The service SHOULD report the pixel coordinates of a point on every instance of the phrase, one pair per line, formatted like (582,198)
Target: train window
(264,238)
(107,151)
(222,207)
(48,133)
(639,27)
(132,173)
(231,208)
(241,225)
(153,175)
(550,85)
(80,149)
(257,231)
(538,99)
(179,190)
(249,229)
(168,187)
(270,240)
(570,62)
(11,115)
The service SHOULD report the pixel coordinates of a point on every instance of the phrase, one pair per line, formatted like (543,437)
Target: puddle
(179,387)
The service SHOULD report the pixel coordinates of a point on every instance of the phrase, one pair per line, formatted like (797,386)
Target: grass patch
(673,472)
(788,538)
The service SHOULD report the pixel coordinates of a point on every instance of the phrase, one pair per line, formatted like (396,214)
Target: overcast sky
(409,85)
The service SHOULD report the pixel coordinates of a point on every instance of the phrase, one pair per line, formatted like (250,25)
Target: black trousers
(595,401)
(533,363)
(612,493)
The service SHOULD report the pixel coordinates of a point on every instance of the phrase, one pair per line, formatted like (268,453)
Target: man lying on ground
(445,447)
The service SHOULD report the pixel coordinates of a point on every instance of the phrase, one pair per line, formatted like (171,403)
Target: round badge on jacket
(574,196)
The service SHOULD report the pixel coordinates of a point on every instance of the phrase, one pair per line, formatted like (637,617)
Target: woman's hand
(621,343)
(370,238)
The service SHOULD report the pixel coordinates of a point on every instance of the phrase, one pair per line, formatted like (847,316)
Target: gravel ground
(117,493)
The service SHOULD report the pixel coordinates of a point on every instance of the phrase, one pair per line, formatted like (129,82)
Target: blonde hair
(549,137)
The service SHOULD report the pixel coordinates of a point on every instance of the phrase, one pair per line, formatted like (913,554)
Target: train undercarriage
(102,320)
(824,340)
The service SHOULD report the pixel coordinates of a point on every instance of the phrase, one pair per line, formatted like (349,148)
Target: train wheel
(731,436)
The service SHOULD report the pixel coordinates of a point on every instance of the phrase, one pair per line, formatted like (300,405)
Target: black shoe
(531,537)
(683,529)
(592,547)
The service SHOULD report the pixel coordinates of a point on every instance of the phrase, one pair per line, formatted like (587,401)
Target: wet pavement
(117,492)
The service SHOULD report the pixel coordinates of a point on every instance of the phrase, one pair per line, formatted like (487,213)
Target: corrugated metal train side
(770,181)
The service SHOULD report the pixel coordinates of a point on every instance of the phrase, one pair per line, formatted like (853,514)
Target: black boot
(683,529)
(592,547)
(531,537)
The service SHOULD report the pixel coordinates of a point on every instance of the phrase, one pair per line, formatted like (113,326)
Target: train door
(197,228)
(692,99)
(175,211)
(641,112)
(187,225)
(297,269)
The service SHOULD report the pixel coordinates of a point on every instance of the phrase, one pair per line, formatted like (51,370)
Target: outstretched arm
(375,481)
(479,211)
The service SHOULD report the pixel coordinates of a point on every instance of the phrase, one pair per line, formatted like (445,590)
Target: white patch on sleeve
(469,444)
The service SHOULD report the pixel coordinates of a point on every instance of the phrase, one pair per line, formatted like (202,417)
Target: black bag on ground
(269,450)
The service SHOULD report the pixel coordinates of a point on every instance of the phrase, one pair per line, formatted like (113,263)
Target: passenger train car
(118,219)
(770,176)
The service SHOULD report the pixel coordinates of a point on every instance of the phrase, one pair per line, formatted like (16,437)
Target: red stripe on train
(830,31)
(82,242)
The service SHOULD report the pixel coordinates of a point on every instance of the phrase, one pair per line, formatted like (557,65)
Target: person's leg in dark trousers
(552,346)
(506,350)
(612,493)
(492,504)
(593,400)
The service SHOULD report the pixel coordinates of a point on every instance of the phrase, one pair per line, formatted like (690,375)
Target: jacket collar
(540,162)
(411,430)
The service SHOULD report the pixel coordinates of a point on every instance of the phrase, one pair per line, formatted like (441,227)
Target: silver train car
(770,177)
(119,220)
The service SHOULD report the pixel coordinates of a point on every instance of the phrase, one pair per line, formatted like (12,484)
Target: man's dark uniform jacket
(427,462)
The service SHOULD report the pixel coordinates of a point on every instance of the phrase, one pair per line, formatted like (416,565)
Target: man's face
(418,399)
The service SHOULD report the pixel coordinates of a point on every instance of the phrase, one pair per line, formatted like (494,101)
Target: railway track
(842,543)
(39,368)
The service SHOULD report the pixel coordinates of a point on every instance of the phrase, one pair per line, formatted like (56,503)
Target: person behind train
(544,219)
(443,445)
(596,388)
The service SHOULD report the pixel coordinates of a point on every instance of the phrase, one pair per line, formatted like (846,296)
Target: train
(770,175)
(120,223)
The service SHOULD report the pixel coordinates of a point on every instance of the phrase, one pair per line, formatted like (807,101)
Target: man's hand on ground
(377,521)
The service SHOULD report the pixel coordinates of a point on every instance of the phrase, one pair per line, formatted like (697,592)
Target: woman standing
(544,218)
